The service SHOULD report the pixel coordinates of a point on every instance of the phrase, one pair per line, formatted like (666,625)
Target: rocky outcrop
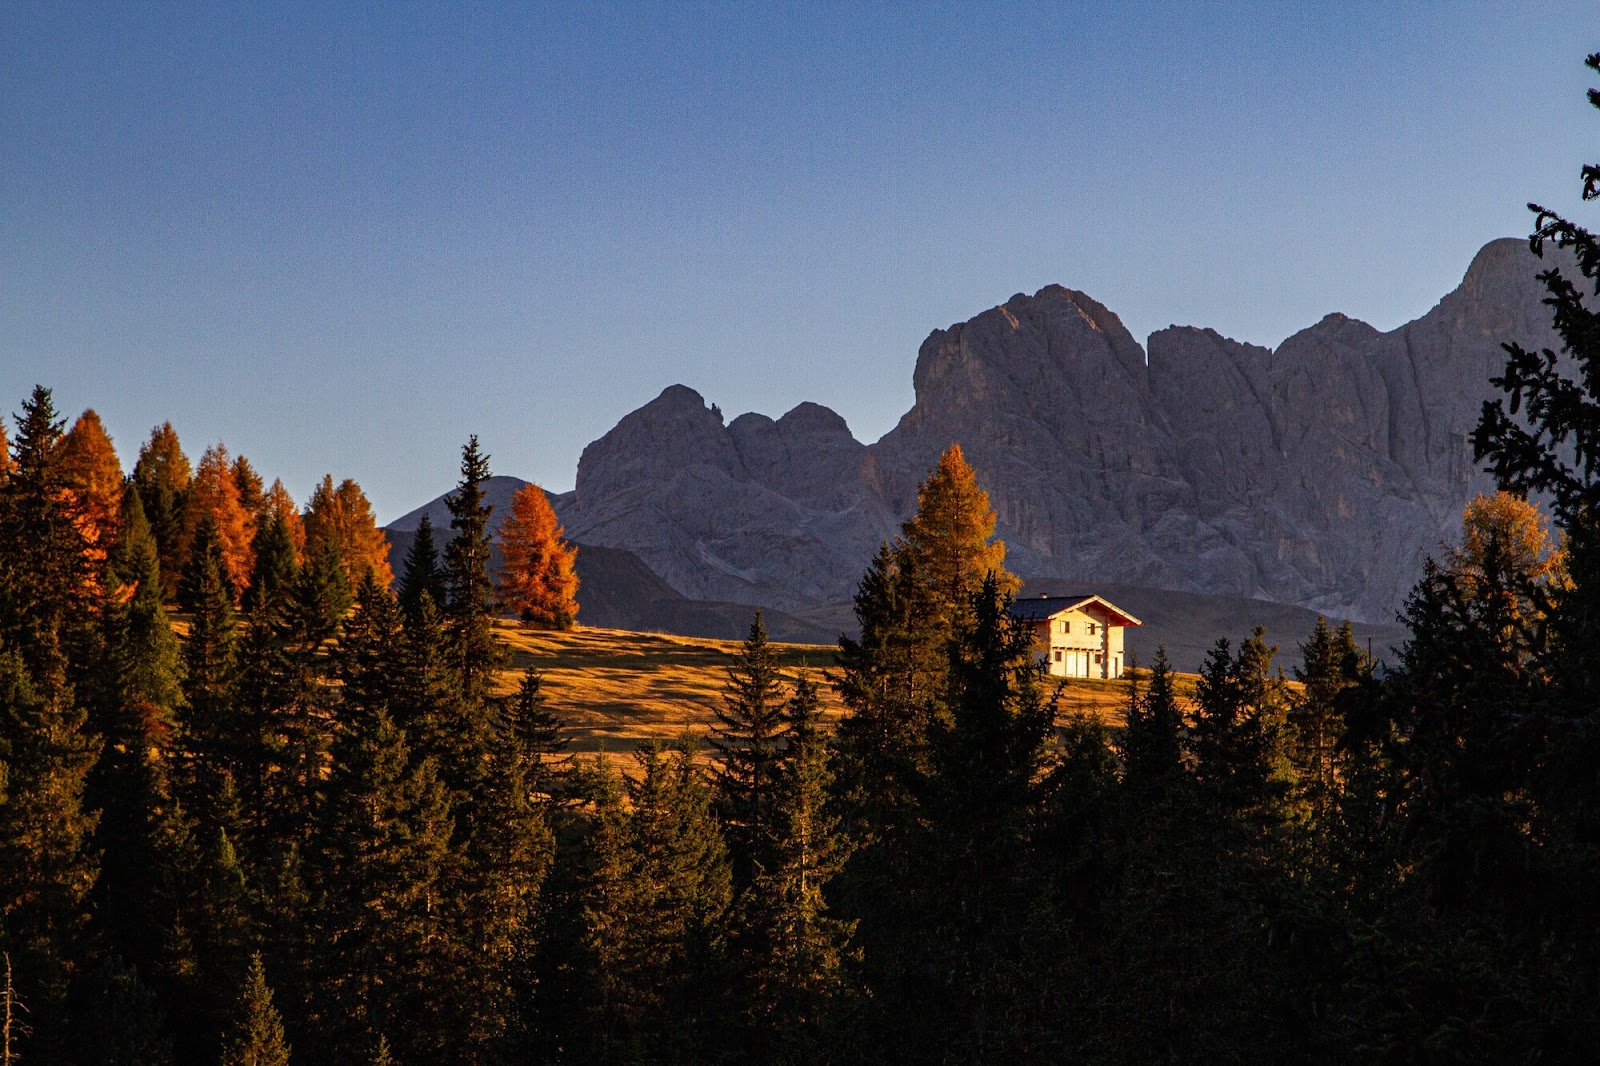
(1318,473)
(757,511)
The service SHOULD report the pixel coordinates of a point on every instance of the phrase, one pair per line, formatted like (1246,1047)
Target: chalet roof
(1039,608)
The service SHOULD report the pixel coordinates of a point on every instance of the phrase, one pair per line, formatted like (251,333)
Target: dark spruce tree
(215,738)
(1152,734)
(470,602)
(422,575)
(382,858)
(750,737)
(789,952)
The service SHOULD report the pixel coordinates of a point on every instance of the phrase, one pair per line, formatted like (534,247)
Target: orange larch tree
(91,471)
(343,517)
(277,503)
(536,577)
(950,539)
(215,492)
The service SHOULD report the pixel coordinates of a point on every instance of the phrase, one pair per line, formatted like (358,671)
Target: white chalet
(1077,636)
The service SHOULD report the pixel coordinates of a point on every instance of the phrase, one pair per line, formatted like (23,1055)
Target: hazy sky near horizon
(341,237)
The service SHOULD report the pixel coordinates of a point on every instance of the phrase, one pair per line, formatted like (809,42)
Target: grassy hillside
(619,689)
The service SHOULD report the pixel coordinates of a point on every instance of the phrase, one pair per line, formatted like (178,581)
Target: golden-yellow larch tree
(950,540)
(91,471)
(342,516)
(214,491)
(1513,525)
(277,503)
(537,577)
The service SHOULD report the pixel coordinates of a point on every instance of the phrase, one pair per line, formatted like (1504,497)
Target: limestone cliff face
(759,511)
(1318,473)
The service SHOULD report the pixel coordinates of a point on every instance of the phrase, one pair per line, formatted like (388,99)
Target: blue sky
(342,237)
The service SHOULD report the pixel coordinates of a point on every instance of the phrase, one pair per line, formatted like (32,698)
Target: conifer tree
(427,699)
(917,590)
(960,913)
(536,577)
(256,1037)
(252,495)
(162,475)
(539,737)
(6,465)
(270,677)
(142,830)
(370,649)
(383,850)
(790,951)
(891,680)
(422,573)
(1238,717)
(46,602)
(1330,663)
(216,737)
(469,606)
(500,866)
(661,887)
(1152,737)
(47,863)
(214,494)
(140,682)
(341,517)
(750,736)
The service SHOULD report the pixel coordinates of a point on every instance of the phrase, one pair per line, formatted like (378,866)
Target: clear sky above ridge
(342,237)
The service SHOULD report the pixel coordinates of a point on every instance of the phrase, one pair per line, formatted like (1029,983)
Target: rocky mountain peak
(1318,473)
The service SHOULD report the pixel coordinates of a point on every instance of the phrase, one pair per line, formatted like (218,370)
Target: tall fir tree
(539,737)
(47,862)
(1330,662)
(215,736)
(654,901)
(256,1037)
(381,868)
(422,574)
(278,505)
(252,491)
(46,584)
(951,537)
(470,603)
(1152,735)
(790,953)
(750,737)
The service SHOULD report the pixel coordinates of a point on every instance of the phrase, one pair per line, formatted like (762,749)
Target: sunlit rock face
(1319,473)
